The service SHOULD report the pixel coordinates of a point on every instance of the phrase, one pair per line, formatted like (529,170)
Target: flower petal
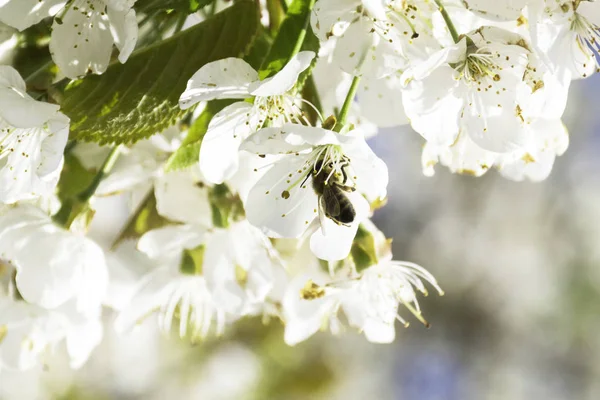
(22,14)
(333,242)
(220,146)
(223,79)
(17,107)
(276,216)
(180,198)
(124,29)
(82,40)
(433,106)
(285,79)
(167,243)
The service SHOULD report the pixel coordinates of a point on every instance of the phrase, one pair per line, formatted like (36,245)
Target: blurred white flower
(29,331)
(169,290)
(239,268)
(53,266)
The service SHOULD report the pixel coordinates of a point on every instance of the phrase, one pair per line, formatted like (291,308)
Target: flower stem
(74,207)
(107,166)
(343,115)
(302,35)
(276,14)
(448,21)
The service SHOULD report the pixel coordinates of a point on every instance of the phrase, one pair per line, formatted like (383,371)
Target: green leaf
(74,178)
(297,19)
(188,6)
(260,49)
(225,206)
(363,252)
(192,260)
(189,151)
(137,99)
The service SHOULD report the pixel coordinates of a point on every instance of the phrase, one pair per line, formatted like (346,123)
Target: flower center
(280,109)
(479,64)
(329,163)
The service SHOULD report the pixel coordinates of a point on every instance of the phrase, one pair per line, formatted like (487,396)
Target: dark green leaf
(297,20)
(259,50)
(135,100)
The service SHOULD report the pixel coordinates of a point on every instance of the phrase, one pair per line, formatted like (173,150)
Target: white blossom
(369,301)
(83,33)
(53,265)
(283,203)
(233,78)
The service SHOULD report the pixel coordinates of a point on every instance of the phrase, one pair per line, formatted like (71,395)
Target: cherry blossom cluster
(274,218)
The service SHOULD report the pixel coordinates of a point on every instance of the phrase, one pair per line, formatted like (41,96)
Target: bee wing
(331,202)
(322,215)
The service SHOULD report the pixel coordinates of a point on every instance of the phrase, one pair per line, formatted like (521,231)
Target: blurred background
(520,265)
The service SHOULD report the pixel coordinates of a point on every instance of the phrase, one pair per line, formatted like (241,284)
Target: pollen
(312,291)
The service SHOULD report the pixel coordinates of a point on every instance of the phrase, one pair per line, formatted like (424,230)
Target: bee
(333,201)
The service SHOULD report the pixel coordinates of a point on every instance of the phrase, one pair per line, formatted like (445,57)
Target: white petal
(549,138)
(463,157)
(83,40)
(81,340)
(375,8)
(328,13)
(381,101)
(148,297)
(124,29)
(285,79)
(223,79)
(433,106)
(180,197)
(448,55)
(22,14)
(291,138)
(360,315)
(62,266)
(29,331)
(220,145)
(17,107)
(506,10)
(333,242)
(269,211)
(32,167)
(167,243)
(353,48)
(370,172)
(245,178)
(303,318)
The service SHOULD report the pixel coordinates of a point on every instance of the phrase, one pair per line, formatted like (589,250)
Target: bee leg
(345,173)
(305,179)
(346,188)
